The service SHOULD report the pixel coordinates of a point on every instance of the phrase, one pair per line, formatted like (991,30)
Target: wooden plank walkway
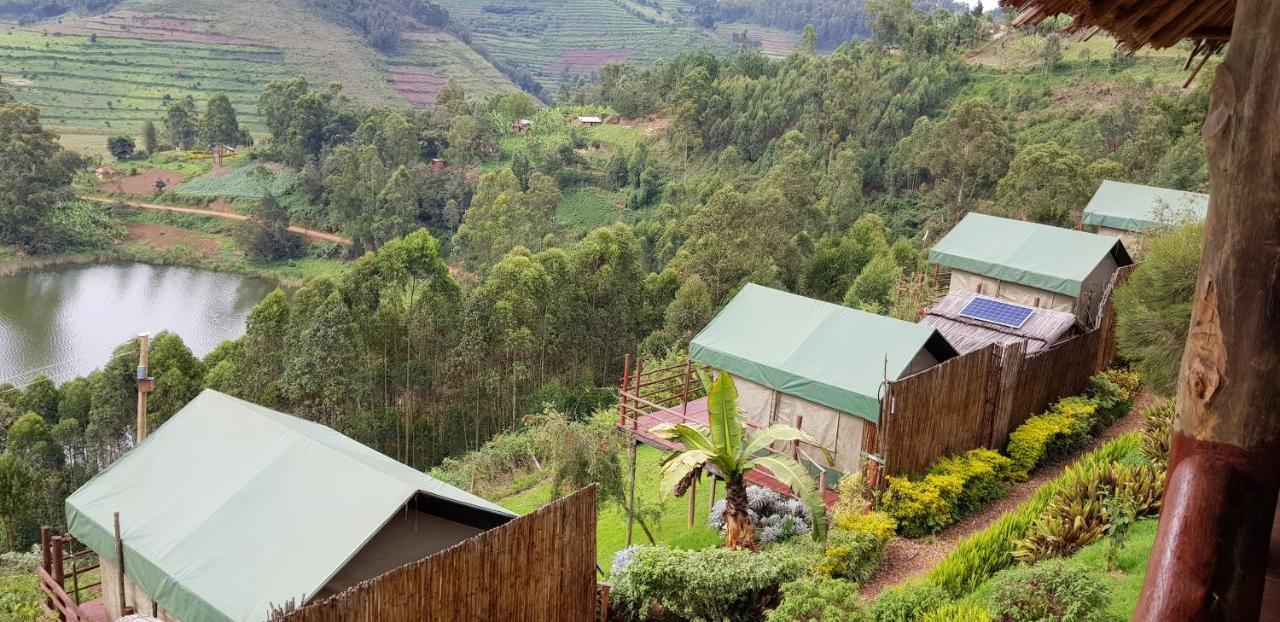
(94,611)
(696,412)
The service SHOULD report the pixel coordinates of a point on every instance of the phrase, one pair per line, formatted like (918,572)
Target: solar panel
(997,312)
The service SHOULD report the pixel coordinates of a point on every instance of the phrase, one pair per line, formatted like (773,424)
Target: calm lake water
(65,322)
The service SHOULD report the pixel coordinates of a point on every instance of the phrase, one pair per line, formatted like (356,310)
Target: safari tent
(815,365)
(1031,264)
(231,508)
(1129,211)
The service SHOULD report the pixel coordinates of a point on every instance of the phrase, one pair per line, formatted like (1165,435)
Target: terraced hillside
(112,84)
(550,38)
(95,76)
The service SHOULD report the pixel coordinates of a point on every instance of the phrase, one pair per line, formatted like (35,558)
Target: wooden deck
(695,411)
(94,611)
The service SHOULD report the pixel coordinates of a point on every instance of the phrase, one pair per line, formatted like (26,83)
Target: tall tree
(35,175)
(150,137)
(181,124)
(1046,184)
(219,125)
(969,153)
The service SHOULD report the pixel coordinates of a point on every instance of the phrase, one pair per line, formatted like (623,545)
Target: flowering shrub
(986,475)
(776,518)
(878,524)
(957,613)
(922,507)
(852,555)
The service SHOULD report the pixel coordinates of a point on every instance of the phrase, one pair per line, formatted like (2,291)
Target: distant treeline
(32,10)
(835,21)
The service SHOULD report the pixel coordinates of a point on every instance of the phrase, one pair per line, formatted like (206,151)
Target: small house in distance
(231,508)
(971,321)
(589,120)
(1129,211)
(814,365)
(1031,264)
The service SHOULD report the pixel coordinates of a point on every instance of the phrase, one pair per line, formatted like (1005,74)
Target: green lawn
(670,527)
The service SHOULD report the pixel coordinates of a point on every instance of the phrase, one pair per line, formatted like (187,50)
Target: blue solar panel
(997,312)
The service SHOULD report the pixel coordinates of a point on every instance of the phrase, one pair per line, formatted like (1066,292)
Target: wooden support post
(1209,561)
(144,384)
(693,499)
(46,557)
(822,484)
(635,417)
(622,395)
(712,499)
(58,575)
(795,445)
(684,398)
(120,565)
(631,502)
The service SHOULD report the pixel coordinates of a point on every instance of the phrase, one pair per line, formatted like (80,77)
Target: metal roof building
(230,508)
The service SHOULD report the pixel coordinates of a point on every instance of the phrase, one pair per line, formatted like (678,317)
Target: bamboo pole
(631,503)
(120,565)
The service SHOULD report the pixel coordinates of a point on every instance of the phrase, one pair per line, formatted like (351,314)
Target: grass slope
(670,527)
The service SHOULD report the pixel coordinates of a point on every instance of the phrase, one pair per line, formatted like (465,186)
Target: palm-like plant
(731,451)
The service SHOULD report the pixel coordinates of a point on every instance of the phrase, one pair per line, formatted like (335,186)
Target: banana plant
(731,451)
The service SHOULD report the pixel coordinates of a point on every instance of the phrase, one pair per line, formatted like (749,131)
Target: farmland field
(586,208)
(430,59)
(114,84)
(536,34)
(773,42)
(250,181)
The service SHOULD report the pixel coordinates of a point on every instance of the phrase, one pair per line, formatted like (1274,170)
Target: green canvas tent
(821,352)
(230,507)
(1039,256)
(1138,208)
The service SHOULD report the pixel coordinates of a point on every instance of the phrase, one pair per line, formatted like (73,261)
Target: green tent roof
(1050,258)
(822,352)
(230,507)
(1133,207)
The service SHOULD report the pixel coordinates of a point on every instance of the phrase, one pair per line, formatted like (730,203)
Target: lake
(64,322)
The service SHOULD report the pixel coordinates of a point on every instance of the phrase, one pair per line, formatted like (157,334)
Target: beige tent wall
(1094,287)
(1131,239)
(924,360)
(134,596)
(1013,292)
(408,537)
(840,433)
(756,401)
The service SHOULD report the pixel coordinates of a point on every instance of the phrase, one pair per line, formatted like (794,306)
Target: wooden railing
(56,552)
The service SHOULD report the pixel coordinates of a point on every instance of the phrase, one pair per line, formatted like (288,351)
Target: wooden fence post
(46,558)
(622,394)
(684,398)
(635,419)
(58,576)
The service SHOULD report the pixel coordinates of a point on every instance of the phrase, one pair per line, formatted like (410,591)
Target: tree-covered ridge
(833,21)
(33,10)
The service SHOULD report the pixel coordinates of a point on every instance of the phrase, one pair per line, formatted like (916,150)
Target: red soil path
(418,85)
(309,233)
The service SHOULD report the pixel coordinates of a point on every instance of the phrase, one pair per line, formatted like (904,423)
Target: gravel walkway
(908,558)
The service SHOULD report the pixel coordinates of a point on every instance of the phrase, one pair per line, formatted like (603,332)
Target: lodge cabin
(1131,211)
(520,126)
(230,509)
(1031,264)
(588,121)
(813,365)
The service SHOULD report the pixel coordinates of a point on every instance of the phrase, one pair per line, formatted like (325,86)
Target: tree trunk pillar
(1210,555)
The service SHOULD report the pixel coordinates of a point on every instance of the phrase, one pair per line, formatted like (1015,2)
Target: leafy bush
(1126,378)
(983,554)
(853,555)
(922,507)
(986,475)
(908,602)
(1157,420)
(1047,436)
(957,613)
(1078,514)
(711,584)
(878,524)
(819,600)
(1112,399)
(1054,591)
(855,494)
(1153,308)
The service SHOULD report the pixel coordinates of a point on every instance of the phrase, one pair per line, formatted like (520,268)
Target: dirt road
(310,233)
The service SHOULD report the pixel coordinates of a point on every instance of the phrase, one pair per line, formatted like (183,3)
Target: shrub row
(955,487)
(983,554)
(1066,427)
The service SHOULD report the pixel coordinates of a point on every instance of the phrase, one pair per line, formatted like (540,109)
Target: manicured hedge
(955,487)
